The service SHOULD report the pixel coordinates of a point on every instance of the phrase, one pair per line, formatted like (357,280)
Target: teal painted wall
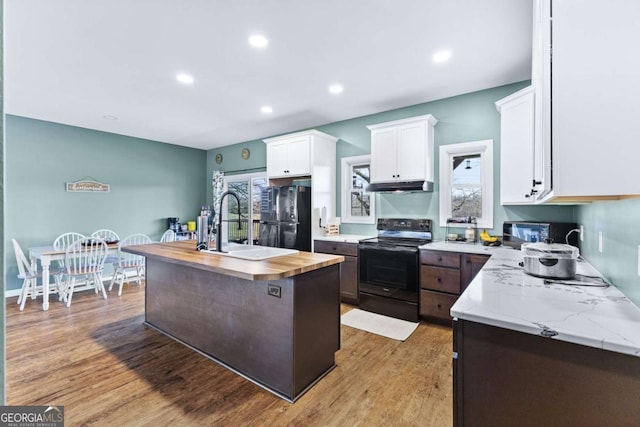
(2,313)
(618,262)
(469,117)
(150,181)
(233,163)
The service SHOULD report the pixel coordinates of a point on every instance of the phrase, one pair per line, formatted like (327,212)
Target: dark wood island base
(280,334)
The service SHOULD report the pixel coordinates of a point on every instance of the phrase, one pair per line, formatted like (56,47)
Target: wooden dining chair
(29,276)
(84,259)
(130,267)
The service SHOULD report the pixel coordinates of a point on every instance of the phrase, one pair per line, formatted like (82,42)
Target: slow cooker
(550,260)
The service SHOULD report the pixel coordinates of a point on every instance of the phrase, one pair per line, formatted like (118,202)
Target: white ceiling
(77,61)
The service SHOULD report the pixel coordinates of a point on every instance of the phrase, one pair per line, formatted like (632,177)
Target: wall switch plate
(582,233)
(600,241)
(638,260)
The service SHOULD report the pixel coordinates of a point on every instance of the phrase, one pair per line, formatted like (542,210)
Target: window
(358,205)
(466,182)
(248,188)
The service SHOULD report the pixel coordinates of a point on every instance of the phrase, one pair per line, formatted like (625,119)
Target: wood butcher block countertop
(185,253)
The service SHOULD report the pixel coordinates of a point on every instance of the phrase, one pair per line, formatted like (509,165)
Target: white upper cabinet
(296,154)
(289,157)
(310,154)
(402,150)
(517,147)
(593,104)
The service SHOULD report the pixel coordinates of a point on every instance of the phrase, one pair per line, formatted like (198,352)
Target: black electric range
(389,267)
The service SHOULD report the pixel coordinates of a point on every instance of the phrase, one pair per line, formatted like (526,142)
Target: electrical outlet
(600,241)
(582,233)
(273,291)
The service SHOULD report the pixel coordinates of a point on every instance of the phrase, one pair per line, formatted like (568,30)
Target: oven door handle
(396,249)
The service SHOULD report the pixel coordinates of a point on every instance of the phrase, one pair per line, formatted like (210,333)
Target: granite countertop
(347,238)
(503,295)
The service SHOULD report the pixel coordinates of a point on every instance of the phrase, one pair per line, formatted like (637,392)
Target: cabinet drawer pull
(439,305)
(439,279)
(439,258)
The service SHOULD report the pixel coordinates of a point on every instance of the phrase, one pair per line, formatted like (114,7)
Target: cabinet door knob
(439,279)
(439,305)
(439,258)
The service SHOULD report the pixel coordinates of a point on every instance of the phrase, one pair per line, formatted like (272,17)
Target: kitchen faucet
(219,225)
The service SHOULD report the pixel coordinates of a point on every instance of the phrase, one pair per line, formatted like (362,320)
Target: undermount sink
(252,252)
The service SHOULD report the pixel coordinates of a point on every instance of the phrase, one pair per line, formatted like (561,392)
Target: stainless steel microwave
(515,233)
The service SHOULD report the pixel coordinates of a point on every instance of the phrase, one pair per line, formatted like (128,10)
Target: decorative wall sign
(218,158)
(245,153)
(88,185)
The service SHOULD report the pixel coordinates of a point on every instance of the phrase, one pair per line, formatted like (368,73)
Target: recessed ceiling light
(336,88)
(184,78)
(265,109)
(258,40)
(108,117)
(442,56)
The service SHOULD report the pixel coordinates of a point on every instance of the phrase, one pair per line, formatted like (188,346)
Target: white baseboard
(16,292)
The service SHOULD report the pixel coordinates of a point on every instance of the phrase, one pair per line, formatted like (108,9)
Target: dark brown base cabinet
(507,378)
(443,277)
(348,269)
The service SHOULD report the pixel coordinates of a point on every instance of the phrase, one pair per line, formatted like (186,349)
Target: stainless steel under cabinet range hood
(398,186)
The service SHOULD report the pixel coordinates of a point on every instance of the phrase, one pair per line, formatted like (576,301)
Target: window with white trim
(358,205)
(466,182)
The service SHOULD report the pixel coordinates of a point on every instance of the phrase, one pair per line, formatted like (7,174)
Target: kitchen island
(276,322)
(530,353)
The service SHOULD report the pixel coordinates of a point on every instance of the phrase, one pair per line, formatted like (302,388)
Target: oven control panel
(404,224)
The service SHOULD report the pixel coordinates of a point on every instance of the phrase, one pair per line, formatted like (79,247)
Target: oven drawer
(440,279)
(335,248)
(436,307)
(441,259)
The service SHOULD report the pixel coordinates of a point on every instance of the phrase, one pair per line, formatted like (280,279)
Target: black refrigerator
(285,217)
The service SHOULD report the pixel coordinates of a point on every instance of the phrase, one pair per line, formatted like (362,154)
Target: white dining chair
(61,243)
(106,234)
(168,236)
(29,275)
(130,267)
(84,259)
(109,236)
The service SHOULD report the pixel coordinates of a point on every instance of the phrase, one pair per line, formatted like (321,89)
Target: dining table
(47,254)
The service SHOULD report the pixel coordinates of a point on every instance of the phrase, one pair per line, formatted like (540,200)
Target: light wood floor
(108,369)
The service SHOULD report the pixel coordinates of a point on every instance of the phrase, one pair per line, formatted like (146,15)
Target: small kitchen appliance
(173,224)
(550,260)
(390,265)
(515,233)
